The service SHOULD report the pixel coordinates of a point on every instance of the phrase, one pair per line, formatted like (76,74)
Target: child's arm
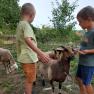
(90,51)
(81,52)
(42,56)
(86,51)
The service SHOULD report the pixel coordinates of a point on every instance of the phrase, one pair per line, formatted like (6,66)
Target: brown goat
(58,69)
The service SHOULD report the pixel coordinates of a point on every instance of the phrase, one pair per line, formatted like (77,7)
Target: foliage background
(62,19)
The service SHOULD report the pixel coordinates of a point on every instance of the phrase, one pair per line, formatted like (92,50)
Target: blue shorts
(85,73)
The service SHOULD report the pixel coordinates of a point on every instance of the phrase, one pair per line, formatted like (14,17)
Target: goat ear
(62,46)
(60,49)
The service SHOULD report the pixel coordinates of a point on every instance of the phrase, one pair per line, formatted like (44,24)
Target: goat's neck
(64,59)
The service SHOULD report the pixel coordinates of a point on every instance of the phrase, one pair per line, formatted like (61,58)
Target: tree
(62,16)
(9,13)
(63,19)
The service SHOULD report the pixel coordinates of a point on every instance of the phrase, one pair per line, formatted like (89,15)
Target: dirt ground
(13,84)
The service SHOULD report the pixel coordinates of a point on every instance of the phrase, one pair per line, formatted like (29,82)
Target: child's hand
(81,52)
(43,57)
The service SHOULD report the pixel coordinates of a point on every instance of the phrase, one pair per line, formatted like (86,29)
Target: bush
(47,35)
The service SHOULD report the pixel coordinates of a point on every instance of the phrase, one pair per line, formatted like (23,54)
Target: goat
(7,60)
(57,69)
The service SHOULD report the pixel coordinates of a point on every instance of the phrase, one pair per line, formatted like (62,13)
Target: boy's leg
(87,80)
(81,86)
(85,75)
(30,74)
(28,87)
(89,89)
(79,80)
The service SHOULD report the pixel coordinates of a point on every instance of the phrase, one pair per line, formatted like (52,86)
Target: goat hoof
(59,93)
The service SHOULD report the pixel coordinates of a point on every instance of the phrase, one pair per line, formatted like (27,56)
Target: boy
(86,57)
(27,50)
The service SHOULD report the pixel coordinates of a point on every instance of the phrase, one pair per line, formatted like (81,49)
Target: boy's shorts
(30,72)
(85,73)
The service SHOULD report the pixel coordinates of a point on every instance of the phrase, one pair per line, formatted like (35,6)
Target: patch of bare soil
(13,84)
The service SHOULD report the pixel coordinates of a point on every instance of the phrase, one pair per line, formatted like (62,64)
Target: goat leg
(4,63)
(52,85)
(9,66)
(60,87)
(43,80)
(5,66)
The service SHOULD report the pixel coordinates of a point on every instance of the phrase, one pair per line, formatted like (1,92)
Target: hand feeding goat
(57,69)
(7,60)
